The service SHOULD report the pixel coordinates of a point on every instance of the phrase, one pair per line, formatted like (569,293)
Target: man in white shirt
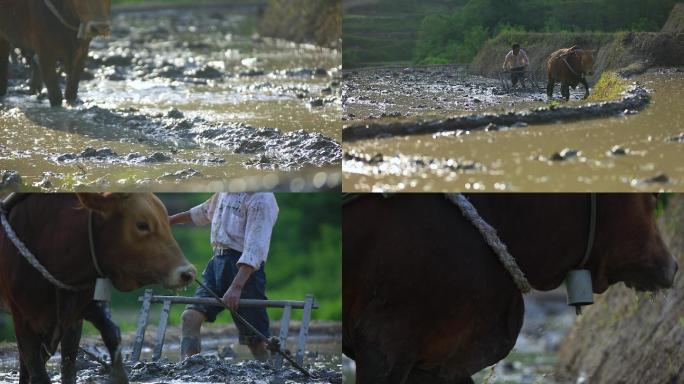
(516,62)
(241,225)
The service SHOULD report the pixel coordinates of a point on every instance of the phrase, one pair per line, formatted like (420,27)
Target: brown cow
(133,246)
(569,66)
(425,299)
(56,30)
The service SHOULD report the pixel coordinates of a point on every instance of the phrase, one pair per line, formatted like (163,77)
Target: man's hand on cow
(232,296)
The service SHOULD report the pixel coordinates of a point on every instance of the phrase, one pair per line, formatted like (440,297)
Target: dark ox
(133,245)
(568,66)
(425,299)
(56,30)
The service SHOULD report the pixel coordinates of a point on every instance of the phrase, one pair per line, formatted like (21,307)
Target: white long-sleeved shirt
(240,221)
(514,61)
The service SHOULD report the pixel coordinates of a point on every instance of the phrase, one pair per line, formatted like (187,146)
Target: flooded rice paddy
(182,100)
(633,150)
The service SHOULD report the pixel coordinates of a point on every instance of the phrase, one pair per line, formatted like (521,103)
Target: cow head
(134,241)
(94,17)
(630,246)
(586,58)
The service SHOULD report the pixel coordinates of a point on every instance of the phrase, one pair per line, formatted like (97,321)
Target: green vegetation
(609,87)
(385,32)
(437,32)
(456,36)
(305,257)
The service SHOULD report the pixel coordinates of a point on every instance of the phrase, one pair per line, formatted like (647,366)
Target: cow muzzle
(91,29)
(181,277)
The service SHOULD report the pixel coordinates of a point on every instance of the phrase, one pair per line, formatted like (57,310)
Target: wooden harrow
(287,305)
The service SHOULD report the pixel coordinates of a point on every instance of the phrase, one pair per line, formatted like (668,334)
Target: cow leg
(586,87)
(23,373)
(4,65)
(97,314)
(31,354)
(48,68)
(549,88)
(36,84)
(565,91)
(74,71)
(70,341)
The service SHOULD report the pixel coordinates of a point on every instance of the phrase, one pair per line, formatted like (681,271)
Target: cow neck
(56,12)
(33,260)
(492,239)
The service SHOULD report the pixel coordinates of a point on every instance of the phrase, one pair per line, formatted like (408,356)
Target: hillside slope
(628,51)
(384,32)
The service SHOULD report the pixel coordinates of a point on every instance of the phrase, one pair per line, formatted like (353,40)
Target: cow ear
(102,202)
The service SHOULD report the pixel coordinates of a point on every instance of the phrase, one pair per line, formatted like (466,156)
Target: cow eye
(142,226)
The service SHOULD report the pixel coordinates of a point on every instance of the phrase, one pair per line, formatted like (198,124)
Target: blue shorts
(218,276)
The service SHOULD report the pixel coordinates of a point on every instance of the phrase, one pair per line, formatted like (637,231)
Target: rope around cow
(24,251)
(492,239)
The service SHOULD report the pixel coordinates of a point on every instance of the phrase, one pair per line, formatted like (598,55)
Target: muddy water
(183,100)
(642,151)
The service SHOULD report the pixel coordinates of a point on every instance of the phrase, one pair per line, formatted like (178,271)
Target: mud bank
(633,100)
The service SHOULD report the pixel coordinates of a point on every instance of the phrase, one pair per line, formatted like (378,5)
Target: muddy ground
(431,92)
(417,145)
(223,360)
(532,360)
(182,99)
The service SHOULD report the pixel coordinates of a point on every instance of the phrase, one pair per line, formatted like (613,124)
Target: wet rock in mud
(565,154)
(206,72)
(314,103)
(677,139)
(157,157)
(180,175)
(10,180)
(46,182)
(174,113)
(304,72)
(619,151)
(251,73)
(89,153)
(660,178)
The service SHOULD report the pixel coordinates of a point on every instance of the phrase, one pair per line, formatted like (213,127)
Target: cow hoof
(74,102)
